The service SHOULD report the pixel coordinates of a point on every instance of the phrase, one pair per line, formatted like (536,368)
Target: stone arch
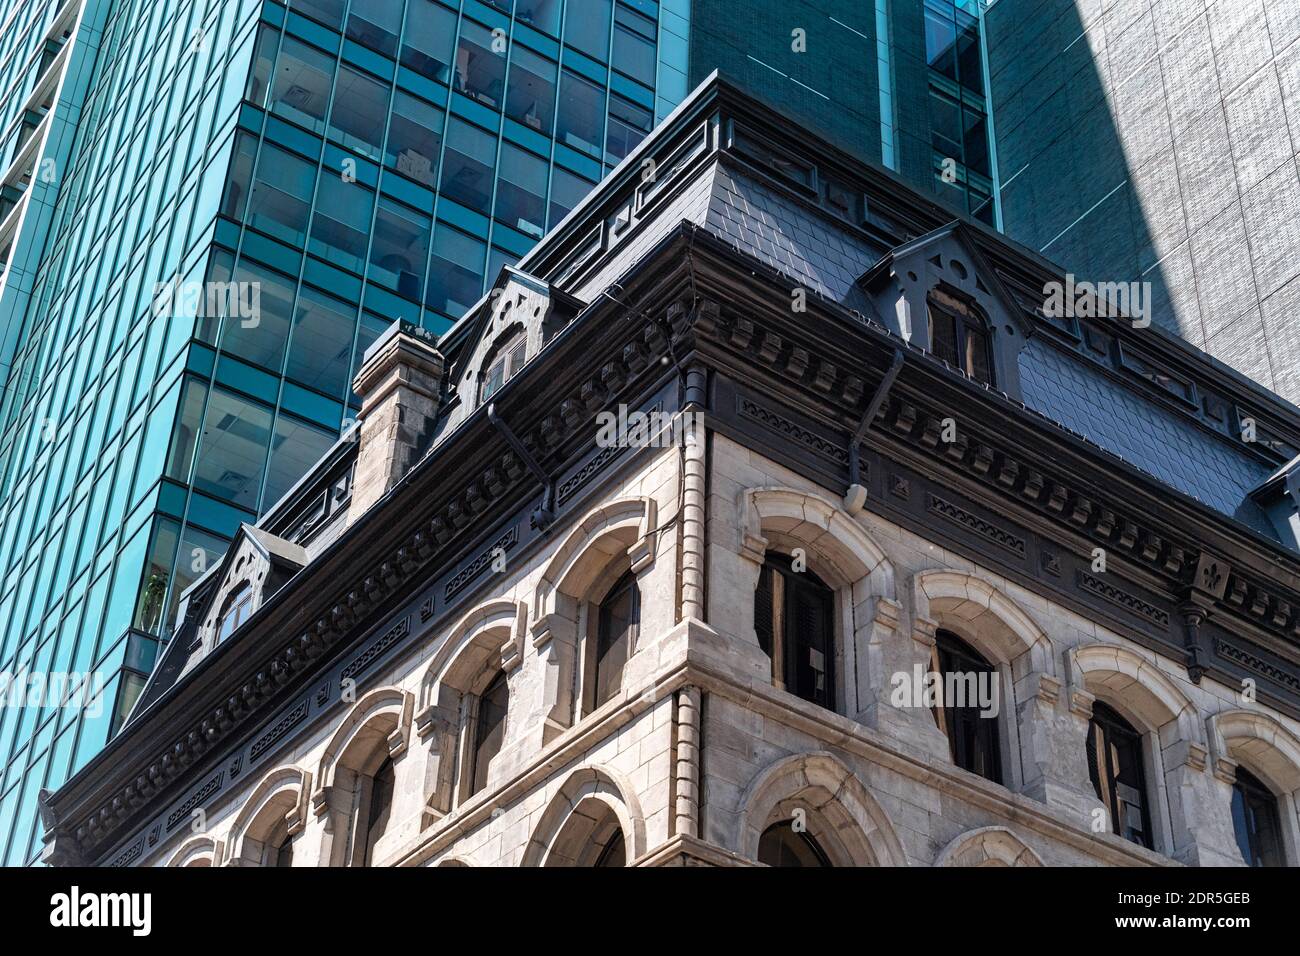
(988,846)
(589,798)
(1135,687)
(625,526)
(1261,742)
(847,820)
(198,851)
(489,636)
(375,728)
(454,861)
(279,799)
(983,615)
(843,553)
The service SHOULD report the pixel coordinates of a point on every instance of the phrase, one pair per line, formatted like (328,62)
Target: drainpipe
(544,514)
(856,496)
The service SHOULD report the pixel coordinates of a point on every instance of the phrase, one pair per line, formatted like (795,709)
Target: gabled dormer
(255,567)
(940,294)
(520,315)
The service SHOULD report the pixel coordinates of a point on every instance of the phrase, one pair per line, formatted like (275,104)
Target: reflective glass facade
(297,178)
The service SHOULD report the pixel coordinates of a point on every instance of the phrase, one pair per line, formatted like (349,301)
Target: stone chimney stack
(399,384)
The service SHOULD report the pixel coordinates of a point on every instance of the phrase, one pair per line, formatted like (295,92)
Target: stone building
(650,560)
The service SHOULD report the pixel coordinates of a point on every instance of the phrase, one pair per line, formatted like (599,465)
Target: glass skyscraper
(212,207)
(343,166)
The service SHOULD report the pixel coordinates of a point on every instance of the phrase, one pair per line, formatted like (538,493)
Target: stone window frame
(845,557)
(1259,742)
(375,728)
(988,846)
(275,809)
(577,822)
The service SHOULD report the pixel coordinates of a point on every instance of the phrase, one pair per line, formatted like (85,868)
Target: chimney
(399,383)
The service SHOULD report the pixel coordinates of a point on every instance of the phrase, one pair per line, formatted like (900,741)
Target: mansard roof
(695,264)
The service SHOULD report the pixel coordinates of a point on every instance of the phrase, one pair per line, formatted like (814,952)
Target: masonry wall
(699,753)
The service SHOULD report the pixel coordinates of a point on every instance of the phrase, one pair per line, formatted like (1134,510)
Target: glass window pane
(587,28)
(455,273)
(376,23)
(281,198)
(399,250)
(187,429)
(232,451)
(371,328)
(582,111)
(294,449)
(414,137)
(521,191)
(241,172)
(428,38)
(360,108)
(531,97)
(259,77)
(321,349)
(941,43)
(301,87)
(480,65)
(539,14)
(628,125)
(970,71)
(326,11)
(567,190)
(199,551)
(342,223)
(256,310)
(467,165)
(634,45)
(976,142)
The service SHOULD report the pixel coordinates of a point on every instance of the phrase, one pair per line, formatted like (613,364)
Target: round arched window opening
(784,845)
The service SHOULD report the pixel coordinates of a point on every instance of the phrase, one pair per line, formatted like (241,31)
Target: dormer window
(238,609)
(509,361)
(959,335)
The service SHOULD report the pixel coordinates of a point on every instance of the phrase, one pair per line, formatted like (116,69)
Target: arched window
(238,610)
(959,335)
(489,729)
(794,620)
(967,683)
(614,852)
(509,360)
(1115,765)
(381,807)
(1256,821)
(620,616)
(782,845)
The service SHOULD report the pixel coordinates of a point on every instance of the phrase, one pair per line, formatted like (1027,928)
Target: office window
(489,729)
(329,12)
(258,338)
(1115,766)
(972,737)
(618,621)
(581,114)
(301,86)
(521,191)
(369,329)
(530,98)
(428,39)
(567,190)
(1255,820)
(414,138)
(628,125)
(794,622)
(455,277)
(238,609)
(321,348)
(232,449)
(586,28)
(467,166)
(782,845)
(359,111)
(341,225)
(480,69)
(295,447)
(541,15)
(941,38)
(241,174)
(281,198)
(376,23)
(259,76)
(199,550)
(399,250)
(634,45)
